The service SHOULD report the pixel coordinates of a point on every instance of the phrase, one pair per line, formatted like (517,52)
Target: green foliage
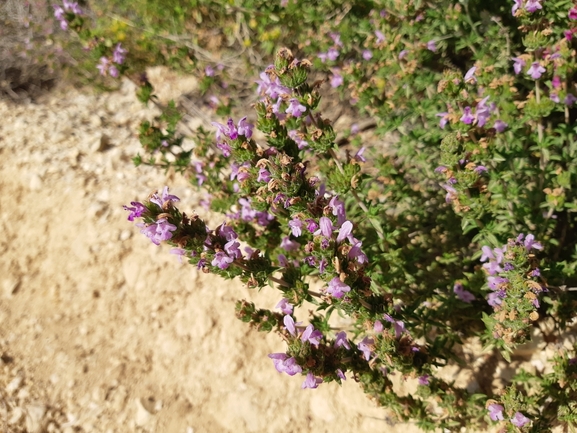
(483,153)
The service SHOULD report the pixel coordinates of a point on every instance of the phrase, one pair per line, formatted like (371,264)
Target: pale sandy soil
(101,331)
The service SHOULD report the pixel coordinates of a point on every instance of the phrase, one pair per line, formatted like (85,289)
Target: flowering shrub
(461,230)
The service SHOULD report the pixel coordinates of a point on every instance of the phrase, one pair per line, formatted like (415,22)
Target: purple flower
(432,46)
(536,70)
(340,374)
(103,65)
(533,5)
(336,79)
(285,306)
(289,324)
(518,65)
(470,75)
(312,226)
(284,364)
(323,57)
(519,420)
(164,199)
(483,111)
(273,89)
(424,380)
(298,138)
(344,231)
(357,254)
(359,155)
(227,232)
(496,412)
(569,99)
(380,37)
(451,193)
(467,118)
(232,249)
(326,227)
(332,54)
(119,55)
(58,12)
(225,148)
(296,227)
(295,108)
(341,340)
(531,244)
(572,14)
(311,381)
(556,82)
(403,54)
(263,175)
(398,325)
(480,169)
(367,54)
(311,335)
(462,294)
(158,231)
(494,282)
(289,245)
(496,298)
(553,96)
(228,130)
(336,37)
(69,6)
(245,128)
(339,210)
(500,126)
(178,252)
(337,288)
(136,211)
(493,267)
(113,71)
(283,262)
(366,346)
(444,119)
(221,260)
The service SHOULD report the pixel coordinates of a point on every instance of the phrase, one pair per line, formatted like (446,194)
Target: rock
(142,415)
(100,143)
(11,286)
(97,209)
(35,182)
(17,415)
(23,394)
(125,235)
(34,417)
(95,121)
(118,399)
(14,385)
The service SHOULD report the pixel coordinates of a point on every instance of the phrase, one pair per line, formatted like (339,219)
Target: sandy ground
(101,331)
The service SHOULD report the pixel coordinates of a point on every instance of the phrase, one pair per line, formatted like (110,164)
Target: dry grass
(29,59)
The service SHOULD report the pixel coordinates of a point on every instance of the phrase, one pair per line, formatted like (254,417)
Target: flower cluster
(65,13)
(496,414)
(108,66)
(370,224)
(511,272)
